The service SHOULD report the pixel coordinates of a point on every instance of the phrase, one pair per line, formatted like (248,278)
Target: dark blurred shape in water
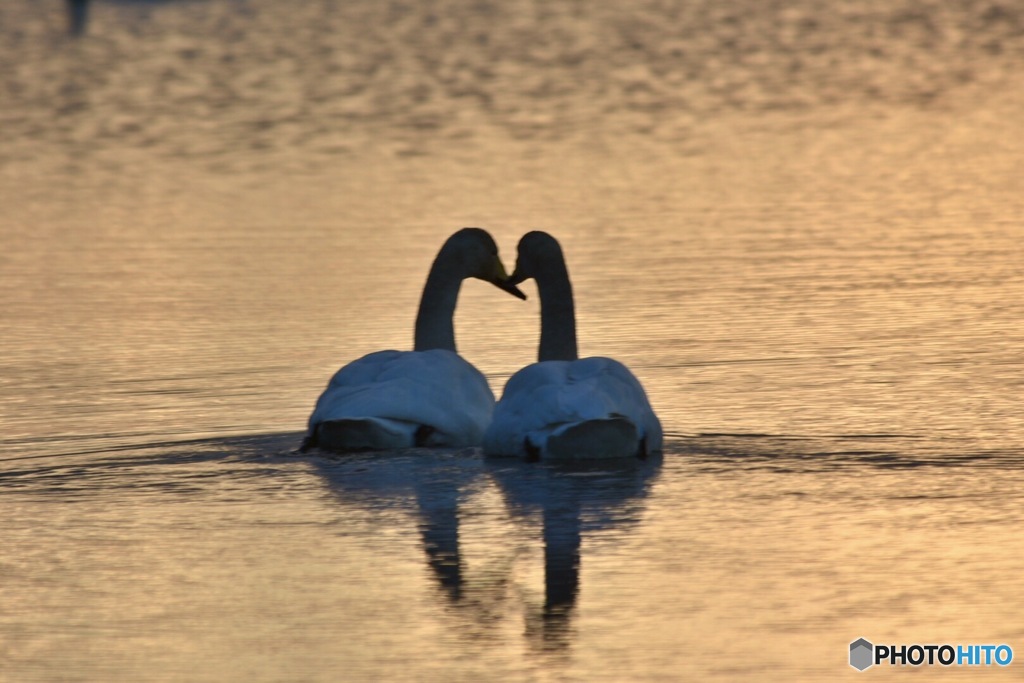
(78,15)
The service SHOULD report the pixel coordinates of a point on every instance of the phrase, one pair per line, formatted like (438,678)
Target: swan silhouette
(429,396)
(564,407)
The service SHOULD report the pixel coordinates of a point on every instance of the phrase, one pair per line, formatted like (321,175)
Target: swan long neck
(557,314)
(435,325)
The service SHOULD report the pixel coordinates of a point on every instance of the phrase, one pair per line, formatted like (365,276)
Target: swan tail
(365,434)
(614,437)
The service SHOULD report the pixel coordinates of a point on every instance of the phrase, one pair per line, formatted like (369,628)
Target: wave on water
(208,80)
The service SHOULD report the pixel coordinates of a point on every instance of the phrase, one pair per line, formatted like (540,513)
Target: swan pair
(560,408)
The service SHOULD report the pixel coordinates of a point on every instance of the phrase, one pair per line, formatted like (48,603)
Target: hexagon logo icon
(861,654)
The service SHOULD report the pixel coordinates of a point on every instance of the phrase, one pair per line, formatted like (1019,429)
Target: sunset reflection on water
(800,226)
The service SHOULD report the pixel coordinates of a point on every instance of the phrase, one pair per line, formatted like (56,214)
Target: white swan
(426,397)
(562,407)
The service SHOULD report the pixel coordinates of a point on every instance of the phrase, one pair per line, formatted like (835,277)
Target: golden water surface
(799,224)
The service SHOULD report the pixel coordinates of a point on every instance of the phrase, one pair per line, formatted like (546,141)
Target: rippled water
(801,226)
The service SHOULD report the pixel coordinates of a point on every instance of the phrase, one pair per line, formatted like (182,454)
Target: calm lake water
(801,225)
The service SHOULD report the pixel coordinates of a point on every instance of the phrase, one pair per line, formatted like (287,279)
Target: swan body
(429,396)
(400,399)
(590,408)
(563,407)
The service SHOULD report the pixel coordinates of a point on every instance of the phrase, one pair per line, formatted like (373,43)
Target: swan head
(476,253)
(538,253)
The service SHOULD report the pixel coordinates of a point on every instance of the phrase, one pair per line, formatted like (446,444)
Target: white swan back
(549,401)
(436,388)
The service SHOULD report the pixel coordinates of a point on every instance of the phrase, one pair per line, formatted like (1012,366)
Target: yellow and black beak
(500,279)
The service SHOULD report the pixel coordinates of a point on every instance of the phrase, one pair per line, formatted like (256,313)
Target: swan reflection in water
(566,502)
(560,504)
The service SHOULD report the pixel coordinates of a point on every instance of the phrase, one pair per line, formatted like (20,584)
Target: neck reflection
(560,505)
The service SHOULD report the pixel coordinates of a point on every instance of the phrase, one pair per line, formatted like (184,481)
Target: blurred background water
(799,223)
